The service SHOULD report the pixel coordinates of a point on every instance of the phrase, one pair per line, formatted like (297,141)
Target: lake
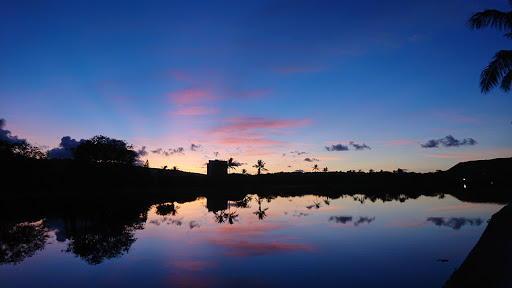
(303,241)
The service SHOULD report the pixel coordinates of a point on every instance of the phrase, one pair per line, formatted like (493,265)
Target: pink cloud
(247,248)
(398,142)
(448,156)
(243,124)
(194,111)
(191,95)
(455,116)
(193,265)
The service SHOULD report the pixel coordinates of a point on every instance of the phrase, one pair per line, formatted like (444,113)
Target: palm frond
(506,81)
(497,68)
(491,18)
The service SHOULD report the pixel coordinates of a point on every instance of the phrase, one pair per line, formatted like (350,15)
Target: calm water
(307,241)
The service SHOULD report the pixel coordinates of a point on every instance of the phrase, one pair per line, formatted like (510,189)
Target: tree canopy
(105,150)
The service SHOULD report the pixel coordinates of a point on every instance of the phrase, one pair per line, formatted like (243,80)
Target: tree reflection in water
(167,209)
(97,239)
(261,213)
(22,240)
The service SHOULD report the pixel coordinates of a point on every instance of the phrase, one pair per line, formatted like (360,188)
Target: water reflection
(455,222)
(260,213)
(189,240)
(167,209)
(97,238)
(346,219)
(22,240)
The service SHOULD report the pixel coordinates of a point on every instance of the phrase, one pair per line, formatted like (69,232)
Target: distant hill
(494,167)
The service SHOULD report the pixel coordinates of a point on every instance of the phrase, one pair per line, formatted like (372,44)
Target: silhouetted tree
(326,169)
(146,164)
(231,164)
(315,168)
(105,150)
(20,149)
(175,168)
(500,68)
(261,166)
(164,167)
(244,171)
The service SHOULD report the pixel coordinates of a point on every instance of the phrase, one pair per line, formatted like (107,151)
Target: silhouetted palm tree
(175,168)
(500,68)
(326,169)
(146,164)
(244,171)
(232,164)
(261,166)
(315,168)
(164,167)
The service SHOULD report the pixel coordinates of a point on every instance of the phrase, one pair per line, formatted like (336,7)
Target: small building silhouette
(217,168)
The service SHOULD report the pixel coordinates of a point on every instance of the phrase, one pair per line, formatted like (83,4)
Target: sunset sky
(342,84)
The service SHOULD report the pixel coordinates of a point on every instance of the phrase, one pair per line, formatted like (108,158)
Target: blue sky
(257,80)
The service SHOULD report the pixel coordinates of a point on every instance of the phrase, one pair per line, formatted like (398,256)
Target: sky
(346,85)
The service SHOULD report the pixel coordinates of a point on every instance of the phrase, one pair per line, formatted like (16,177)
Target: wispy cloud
(194,110)
(448,156)
(169,152)
(195,147)
(311,159)
(358,146)
(193,95)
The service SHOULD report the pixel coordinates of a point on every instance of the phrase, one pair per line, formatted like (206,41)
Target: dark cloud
(311,159)
(431,144)
(6,136)
(237,164)
(359,146)
(361,220)
(298,153)
(299,171)
(449,141)
(455,222)
(195,147)
(340,219)
(193,224)
(346,219)
(179,150)
(65,149)
(142,152)
(337,147)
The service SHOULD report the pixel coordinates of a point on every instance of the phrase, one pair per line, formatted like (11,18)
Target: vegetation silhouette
(231,164)
(500,68)
(167,209)
(103,149)
(102,235)
(260,165)
(315,168)
(20,241)
(325,169)
(260,213)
